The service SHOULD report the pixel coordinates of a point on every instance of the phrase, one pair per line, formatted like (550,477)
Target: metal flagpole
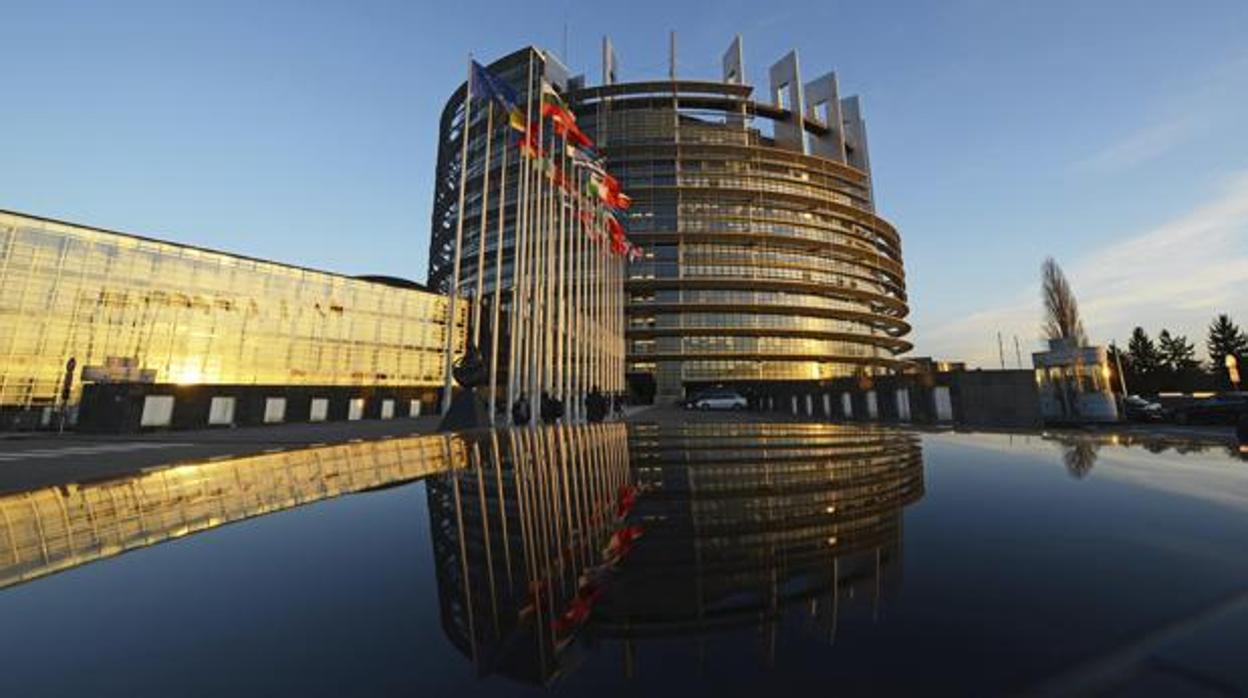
(549,238)
(613,275)
(485,200)
(578,287)
(562,328)
(459,239)
(591,329)
(519,255)
(498,285)
(620,320)
(534,348)
(598,314)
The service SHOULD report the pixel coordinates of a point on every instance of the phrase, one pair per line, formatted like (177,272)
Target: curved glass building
(765,259)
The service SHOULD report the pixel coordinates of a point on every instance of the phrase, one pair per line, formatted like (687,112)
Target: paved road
(38,460)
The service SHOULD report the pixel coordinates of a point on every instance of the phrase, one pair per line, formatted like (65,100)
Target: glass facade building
(765,259)
(128,308)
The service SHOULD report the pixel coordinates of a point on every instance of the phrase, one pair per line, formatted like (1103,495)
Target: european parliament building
(765,260)
(191,337)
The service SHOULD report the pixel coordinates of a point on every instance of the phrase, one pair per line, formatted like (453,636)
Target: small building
(1073,383)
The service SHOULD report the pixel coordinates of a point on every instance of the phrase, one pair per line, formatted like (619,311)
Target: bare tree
(1061,311)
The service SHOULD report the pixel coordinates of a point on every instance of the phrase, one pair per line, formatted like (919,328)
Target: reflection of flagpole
(498,285)
(459,239)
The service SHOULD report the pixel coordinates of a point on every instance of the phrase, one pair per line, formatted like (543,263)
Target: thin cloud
(1144,145)
(1176,275)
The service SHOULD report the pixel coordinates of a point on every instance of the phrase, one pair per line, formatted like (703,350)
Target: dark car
(1220,409)
(1138,409)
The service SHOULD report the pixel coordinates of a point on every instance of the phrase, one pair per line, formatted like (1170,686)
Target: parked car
(1138,409)
(1220,409)
(717,400)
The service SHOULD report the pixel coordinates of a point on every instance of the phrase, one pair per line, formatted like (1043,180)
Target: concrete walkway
(40,459)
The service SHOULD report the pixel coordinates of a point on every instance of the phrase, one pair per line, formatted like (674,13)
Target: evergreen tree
(1225,338)
(1177,354)
(1145,360)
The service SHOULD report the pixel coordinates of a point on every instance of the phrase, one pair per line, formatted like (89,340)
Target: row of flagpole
(565,288)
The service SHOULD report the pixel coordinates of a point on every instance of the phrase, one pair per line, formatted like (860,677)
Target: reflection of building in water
(57,528)
(513,535)
(739,523)
(744,522)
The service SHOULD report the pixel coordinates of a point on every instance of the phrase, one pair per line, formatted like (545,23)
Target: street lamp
(1232,370)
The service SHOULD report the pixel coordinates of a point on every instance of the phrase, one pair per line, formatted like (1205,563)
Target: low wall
(119,407)
(968,398)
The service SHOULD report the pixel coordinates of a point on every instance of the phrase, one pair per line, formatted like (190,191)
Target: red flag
(615,229)
(561,119)
(528,145)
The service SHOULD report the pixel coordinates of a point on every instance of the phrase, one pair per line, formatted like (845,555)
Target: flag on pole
(529,147)
(562,120)
(485,85)
(550,96)
(619,239)
(607,189)
(587,158)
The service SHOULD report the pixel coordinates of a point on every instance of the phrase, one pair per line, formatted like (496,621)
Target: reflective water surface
(705,559)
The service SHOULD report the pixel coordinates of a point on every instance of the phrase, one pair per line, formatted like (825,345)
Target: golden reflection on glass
(57,528)
(168,313)
(683,531)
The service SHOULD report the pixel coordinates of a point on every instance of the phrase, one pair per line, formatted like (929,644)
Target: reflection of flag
(486,86)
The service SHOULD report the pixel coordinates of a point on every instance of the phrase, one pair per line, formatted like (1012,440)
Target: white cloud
(1176,275)
(1143,144)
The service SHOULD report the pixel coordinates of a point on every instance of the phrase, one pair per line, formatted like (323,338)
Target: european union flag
(487,86)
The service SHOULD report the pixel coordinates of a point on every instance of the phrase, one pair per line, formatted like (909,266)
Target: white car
(718,400)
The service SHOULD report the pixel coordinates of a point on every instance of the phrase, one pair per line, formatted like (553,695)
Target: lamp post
(1232,370)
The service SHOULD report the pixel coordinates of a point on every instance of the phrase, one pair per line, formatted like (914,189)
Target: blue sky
(1109,134)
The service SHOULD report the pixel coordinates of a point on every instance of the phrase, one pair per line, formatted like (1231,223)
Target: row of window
(752,345)
(195,318)
(752,321)
(747,298)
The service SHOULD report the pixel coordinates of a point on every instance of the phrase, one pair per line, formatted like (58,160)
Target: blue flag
(487,86)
